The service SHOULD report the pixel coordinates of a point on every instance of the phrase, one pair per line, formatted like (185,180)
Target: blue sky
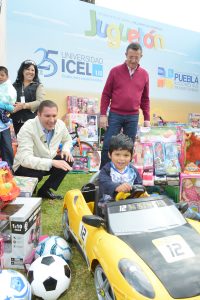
(161,11)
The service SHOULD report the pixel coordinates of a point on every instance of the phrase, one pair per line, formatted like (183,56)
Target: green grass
(82,284)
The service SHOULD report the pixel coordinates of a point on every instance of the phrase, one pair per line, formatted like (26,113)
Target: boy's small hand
(124,187)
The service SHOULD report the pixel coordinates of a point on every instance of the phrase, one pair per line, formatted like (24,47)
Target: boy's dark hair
(46,103)
(134,46)
(121,142)
(4,69)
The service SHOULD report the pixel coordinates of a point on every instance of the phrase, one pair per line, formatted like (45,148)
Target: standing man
(125,92)
(38,142)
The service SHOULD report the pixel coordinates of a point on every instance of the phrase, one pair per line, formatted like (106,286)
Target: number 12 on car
(83,233)
(173,248)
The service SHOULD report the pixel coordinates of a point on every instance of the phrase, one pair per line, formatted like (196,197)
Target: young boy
(118,175)
(7,99)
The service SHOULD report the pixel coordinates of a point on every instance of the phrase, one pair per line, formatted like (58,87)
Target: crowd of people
(39,131)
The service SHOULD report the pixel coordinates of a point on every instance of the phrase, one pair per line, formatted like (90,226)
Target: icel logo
(165,78)
(47,66)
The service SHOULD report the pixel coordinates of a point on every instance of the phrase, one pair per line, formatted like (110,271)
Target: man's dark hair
(46,103)
(134,46)
(4,69)
(121,142)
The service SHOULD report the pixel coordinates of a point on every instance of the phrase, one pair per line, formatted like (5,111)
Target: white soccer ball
(54,245)
(49,276)
(13,285)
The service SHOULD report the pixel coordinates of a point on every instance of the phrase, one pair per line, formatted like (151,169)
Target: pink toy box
(192,150)
(190,190)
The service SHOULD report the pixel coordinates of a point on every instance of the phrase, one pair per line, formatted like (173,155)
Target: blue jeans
(116,123)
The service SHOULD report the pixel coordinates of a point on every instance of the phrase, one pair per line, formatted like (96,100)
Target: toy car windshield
(142,215)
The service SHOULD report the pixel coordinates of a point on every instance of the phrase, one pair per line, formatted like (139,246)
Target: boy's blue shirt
(110,179)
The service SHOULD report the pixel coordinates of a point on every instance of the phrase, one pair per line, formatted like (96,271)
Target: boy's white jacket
(8,93)
(33,151)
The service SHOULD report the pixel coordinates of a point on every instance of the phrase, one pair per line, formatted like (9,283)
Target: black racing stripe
(181,278)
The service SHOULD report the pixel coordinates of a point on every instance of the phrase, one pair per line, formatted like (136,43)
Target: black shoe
(49,195)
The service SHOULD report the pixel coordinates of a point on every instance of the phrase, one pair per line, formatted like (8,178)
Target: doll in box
(193,149)
(159,158)
(190,192)
(172,165)
(148,156)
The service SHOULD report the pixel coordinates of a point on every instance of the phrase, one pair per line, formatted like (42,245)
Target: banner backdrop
(75,44)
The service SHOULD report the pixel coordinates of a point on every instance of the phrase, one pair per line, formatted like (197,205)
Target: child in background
(7,100)
(118,175)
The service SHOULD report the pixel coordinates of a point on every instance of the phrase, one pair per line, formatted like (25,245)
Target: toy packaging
(160,180)
(81,164)
(81,105)
(159,158)
(20,227)
(172,165)
(194,120)
(190,190)
(148,178)
(158,134)
(148,156)
(27,185)
(192,151)
(138,154)
(88,131)
(94,160)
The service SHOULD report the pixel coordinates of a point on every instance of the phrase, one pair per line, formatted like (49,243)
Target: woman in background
(30,92)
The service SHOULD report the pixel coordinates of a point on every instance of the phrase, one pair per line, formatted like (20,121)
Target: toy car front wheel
(65,226)
(102,285)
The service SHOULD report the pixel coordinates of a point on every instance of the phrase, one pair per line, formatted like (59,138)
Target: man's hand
(147,124)
(67,156)
(124,187)
(103,121)
(61,164)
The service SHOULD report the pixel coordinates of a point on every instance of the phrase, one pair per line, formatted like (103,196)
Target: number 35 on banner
(173,248)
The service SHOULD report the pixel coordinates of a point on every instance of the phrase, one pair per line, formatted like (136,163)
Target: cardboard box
(20,226)
(26,185)
(190,190)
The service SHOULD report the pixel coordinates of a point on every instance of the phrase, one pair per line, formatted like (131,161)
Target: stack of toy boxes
(160,147)
(190,178)
(83,111)
(20,229)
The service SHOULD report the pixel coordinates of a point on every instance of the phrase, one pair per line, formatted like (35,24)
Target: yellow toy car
(142,249)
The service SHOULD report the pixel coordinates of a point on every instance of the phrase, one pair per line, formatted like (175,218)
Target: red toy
(193,149)
(8,187)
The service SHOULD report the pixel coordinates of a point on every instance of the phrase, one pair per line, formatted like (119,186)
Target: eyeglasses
(29,62)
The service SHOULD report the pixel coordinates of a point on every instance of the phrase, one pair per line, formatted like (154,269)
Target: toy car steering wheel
(137,191)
